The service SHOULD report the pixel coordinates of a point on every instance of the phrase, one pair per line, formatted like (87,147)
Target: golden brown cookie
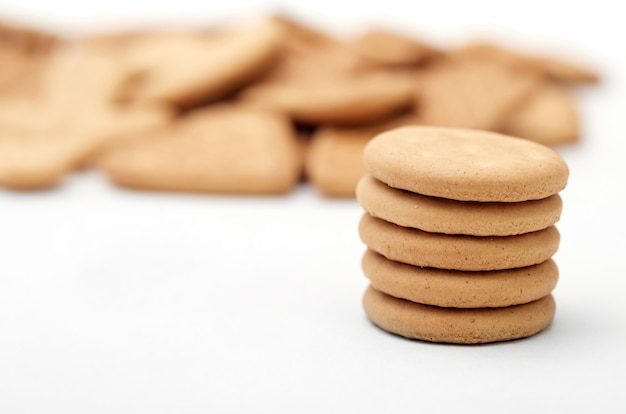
(311,54)
(463,326)
(220,149)
(358,99)
(86,78)
(458,289)
(201,68)
(334,160)
(442,215)
(36,152)
(457,252)
(32,160)
(476,94)
(392,48)
(548,116)
(24,56)
(26,40)
(552,68)
(466,165)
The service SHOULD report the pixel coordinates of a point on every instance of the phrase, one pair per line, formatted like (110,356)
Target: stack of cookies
(460,234)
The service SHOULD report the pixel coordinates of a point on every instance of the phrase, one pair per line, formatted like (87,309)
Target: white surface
(130,302)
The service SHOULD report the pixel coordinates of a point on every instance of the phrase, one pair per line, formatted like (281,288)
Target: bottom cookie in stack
(458,306)
(459,227)
(454,325)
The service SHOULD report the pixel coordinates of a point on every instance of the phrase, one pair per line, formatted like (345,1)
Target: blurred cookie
(442,215)
(310,54)
(391,48)
(334,158)
(548,116)
(463,326)
(466,165)
(552,68)
(458,289)
(25,40)
(471,93)
(39,156)
(355,100)
(333,163)
(457,252)
(220,149)
(39,160)
(202,68)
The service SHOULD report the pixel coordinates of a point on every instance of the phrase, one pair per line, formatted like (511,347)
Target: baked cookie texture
(458,252)
(442,215)
(225,149)
(465,165)
(455,325)
(460,232)
(458,289)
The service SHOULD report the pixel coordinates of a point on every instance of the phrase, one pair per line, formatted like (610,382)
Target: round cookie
(458,252)
(457,289)
(442,215)
(463,326)
(464,164)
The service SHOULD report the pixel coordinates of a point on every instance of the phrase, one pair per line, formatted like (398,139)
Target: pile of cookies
(254,108)
(459,227)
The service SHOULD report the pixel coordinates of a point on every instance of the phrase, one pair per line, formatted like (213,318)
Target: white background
(131,302)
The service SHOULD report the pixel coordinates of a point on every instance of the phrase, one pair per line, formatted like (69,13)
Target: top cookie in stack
(464,219)
(465,165)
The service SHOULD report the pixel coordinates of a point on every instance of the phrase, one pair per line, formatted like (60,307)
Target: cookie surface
(203,68)
(357,99)
(462,326)
(31,160)
(555,69)
(334,160)
(548,116)
(394,48)
(466,165)
(457,289)
(221,149)
(471,93)
(442,215)
(458,252)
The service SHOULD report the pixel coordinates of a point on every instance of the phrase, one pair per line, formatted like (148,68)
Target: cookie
(334,159)
(559,70)
(333,163)
(40,155)
(391,48)
(457,252)
(458,289)
(34,160)
(26,40)
(203,68)
(465,165)
(308,53)
(360,99)
(83,78)
(474,94)
(442,215)
(452,325)
(548,116)
(220,149)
